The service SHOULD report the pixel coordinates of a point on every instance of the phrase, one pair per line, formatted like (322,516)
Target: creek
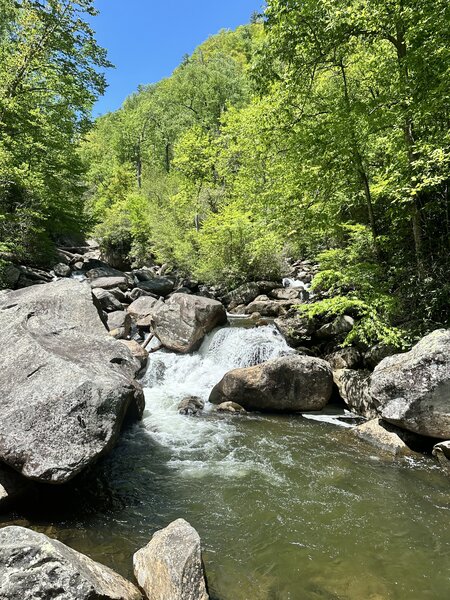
(287,507)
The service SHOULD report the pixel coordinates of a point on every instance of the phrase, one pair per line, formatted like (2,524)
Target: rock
(376,354)
(78,266)
(76,383)
(143,307)
(106,300)
(413,389)
(144,274)
(354,389)
(268,308)
(120,319)
(13,487)
(11,276)
(33,566)
(383,435)
(170,566)
(160,286)
(183,321)
(231,407)
(288,384)
(244,294)
(119,295)
(296,329)
(137,351)
(103,270)
(286,294)
(138,293)
(109,283)
(344,358)
(191,405)
(62,270)
(442,452)
(29,277)
(340,326)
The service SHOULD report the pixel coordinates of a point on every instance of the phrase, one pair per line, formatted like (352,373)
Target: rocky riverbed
(76,341)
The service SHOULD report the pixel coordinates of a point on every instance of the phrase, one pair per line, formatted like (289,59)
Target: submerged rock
(33,565)
(183,321)
(383,436)
(170,566)
(413,389)
(191,405)
(288,384)
(65,386)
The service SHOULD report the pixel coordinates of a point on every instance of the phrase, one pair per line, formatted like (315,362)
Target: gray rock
(160,286)
(138,293)
(11,276)
(230,407)
(102,271)
(62,270)
(120,319)
(143,307)
(191,405)
(109,283)
(296,329)
(170,566)
(137,351)
(442,452)
(383,436)
(345,358)
(76,383)
(33,566)
(354,389)
(183,321)
(377,353)
(413,389)
(288,384)
(244,294)
(339,327)
(286,294)
(268,308)
(106,300)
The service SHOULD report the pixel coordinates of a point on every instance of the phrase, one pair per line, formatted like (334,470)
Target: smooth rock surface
(143,307)
(65,386)
(170,566)
(160,286)
(383,436)
(183,321)
(288,384)
(413,389)
(34,566)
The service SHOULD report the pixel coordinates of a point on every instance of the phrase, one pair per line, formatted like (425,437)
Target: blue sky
(146,39)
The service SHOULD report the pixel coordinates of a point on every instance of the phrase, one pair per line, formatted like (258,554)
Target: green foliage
(49,79)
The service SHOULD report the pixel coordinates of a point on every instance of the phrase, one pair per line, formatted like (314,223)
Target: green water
(287,508)
(306,514)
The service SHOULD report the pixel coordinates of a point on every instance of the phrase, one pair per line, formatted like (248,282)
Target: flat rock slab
(33,566)
(288,384)
(65,386)
(170,566)
(413,389)
(383,436)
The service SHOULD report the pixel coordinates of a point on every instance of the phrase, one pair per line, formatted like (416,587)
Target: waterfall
(202,444)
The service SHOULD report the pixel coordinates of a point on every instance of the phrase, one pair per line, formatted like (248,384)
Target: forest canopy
(319,130)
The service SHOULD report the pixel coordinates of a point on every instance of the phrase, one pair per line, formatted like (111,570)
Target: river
(287,507)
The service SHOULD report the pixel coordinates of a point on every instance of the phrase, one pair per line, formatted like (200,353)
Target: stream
(287,507)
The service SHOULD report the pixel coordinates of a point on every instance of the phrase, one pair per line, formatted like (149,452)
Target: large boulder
(354,389)
(413,389)
(288,384)
(266,307)
(183,321)
(33,566)
(143,307)
(65,386)
(170,566)
(244,294)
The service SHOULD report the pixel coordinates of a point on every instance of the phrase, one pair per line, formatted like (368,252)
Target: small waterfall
(199,445)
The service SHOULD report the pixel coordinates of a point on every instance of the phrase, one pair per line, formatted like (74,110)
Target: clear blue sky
(146,39)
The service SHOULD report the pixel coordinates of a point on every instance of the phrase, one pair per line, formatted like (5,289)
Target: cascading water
(200,445)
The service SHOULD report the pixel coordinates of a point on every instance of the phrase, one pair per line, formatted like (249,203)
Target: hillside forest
(319,130)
